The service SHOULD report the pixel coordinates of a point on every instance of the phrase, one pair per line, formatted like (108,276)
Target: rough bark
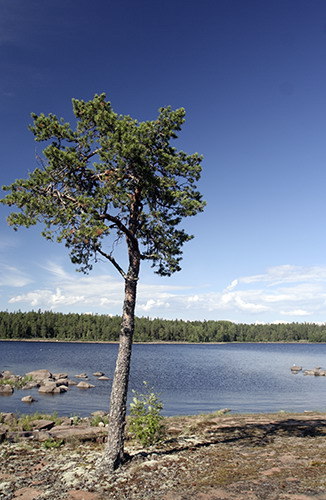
(114,453)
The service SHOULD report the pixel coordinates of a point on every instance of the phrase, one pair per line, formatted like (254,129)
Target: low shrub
(145,423)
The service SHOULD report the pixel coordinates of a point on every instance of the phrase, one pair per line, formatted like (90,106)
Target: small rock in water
(296,369)
(85,385)
(28,399)
(98,374)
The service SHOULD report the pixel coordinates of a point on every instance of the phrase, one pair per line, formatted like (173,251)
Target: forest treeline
(89,327)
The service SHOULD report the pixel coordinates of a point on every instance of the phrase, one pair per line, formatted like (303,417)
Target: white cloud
(296,312)
(249,306)
(152,304)
(288,290)
(103,293)
(284,291)
(40,298)
(232,285)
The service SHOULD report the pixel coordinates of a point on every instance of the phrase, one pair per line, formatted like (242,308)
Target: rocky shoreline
(218,456)
(205,457)
(45,381)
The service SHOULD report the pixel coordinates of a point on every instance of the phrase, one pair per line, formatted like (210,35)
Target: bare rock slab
(70,433)
(82,495)
(27,493)
(43,424)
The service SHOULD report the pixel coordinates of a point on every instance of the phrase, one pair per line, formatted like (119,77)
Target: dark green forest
(88,327)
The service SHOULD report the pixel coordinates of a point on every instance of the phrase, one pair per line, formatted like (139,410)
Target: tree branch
(113,261)
(92,153)
(122,228)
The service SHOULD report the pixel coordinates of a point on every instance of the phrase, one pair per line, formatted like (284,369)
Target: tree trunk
(114,452)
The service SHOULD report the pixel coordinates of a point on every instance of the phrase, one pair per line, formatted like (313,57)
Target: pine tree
(112,178)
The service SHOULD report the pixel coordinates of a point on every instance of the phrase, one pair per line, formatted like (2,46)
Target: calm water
(191,378)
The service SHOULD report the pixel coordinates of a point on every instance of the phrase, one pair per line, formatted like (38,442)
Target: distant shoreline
(158,342)
(117,342)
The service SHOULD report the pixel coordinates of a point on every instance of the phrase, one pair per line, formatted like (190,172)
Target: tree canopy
(110,176)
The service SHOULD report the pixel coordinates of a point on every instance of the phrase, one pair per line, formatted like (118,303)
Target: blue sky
(251,75)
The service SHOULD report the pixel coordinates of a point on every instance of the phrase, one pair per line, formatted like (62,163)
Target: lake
(190,378)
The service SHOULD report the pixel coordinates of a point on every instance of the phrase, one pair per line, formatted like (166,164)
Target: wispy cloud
(11,276)
(285,274)
(8,242)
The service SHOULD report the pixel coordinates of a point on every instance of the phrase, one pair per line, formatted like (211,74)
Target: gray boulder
(99,413)
(30,385)
(7,418)
(58,376)
(6,389)
(40,375)
(61,381)
(71,382)
(317,372)
(49,388)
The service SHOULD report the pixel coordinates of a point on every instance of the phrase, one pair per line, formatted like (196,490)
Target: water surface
(191,378)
